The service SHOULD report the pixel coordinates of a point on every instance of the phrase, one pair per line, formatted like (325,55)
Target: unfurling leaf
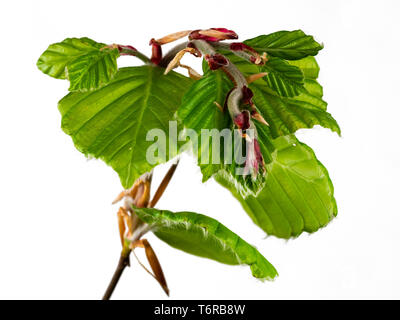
(205,237)
(284,78)
(86,63)
(287,80)
(112,123)
(93,70)
(298,194)
(285,115)
(290,45)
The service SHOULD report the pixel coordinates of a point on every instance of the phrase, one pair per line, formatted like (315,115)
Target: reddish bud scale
(247,95)
(195,35)
(128,47)
(121,47)
(216,61)
(257,150)
(254,160)
(197,52)
(225,35)
(240,46)
(156,52)
(230,34)
(242,120)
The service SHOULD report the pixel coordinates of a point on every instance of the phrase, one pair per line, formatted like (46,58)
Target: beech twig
(124,260)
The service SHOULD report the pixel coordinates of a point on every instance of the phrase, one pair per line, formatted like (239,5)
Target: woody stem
(123,262)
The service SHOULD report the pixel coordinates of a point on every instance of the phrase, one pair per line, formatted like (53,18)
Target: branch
(124,261)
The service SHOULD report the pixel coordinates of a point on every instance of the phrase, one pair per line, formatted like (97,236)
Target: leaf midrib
(145,100)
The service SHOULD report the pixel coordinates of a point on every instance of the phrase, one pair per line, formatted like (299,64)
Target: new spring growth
(239,99)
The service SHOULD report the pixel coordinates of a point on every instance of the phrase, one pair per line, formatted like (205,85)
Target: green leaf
(93,70)
(205,237)
(54,60)
(284,78)
(290,45)
(244,185)
(298,195)
(86,63)
(308,66)
(112,123)
(199,112)
(286,115)
(287,80)
(310,69)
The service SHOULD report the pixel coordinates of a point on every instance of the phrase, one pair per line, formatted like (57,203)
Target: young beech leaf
(310,69)
(290,45)
(55,59)
(199,112)
(86,63)
(298,195)
(286,115)
(285,79)
(112,123)
(203,236)
(93,70)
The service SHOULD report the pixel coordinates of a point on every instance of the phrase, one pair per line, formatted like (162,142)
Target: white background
(58,230)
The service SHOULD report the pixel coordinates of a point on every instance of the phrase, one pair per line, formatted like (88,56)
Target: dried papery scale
(131,229)
(193,74)
(157,272)
(175,62)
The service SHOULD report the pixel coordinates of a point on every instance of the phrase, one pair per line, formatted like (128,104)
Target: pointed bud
(255,77)
(255,115)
